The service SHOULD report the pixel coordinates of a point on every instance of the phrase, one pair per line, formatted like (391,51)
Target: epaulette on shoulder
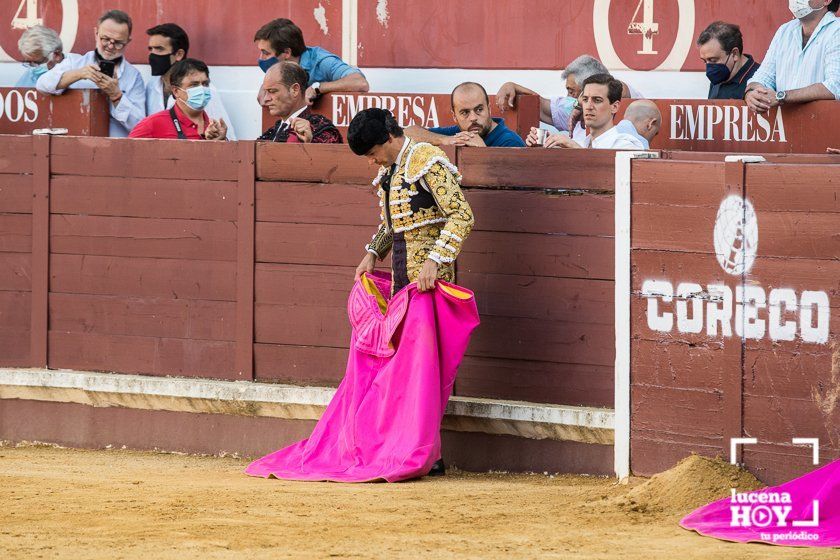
(422,157)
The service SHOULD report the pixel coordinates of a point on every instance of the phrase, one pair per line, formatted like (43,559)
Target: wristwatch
(316,87)
(780,97)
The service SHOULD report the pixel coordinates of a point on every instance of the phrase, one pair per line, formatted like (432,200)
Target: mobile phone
(107,67)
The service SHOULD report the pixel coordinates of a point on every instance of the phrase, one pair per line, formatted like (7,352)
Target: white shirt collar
(402,150)
(297,113)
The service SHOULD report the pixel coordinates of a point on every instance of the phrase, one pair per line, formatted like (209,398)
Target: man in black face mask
(729,70)
(168,44)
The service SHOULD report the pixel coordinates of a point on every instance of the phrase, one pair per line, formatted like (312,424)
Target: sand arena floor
(62,503)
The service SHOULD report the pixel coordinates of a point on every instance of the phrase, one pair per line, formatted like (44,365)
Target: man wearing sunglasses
(105,68)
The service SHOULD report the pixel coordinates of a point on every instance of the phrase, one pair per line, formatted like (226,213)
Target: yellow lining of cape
(460,294)
(371,289)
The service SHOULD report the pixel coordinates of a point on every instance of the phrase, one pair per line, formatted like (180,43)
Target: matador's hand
(367,265)
(427,277)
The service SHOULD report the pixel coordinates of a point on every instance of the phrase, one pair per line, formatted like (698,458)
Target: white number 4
(647,28)
(31,18)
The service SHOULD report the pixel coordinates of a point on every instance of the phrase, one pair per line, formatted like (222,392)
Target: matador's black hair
(370,128)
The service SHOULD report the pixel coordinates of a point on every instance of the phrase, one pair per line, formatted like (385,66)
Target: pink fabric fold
(802,512)
(384,421)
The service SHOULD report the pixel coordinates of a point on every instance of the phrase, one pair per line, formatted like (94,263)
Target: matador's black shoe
(438,469)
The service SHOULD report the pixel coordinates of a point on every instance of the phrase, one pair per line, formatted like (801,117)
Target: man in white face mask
(803,61)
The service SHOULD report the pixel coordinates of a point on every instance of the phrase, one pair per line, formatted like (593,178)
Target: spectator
(729,70)
(281,39)
(642,119)
(803,61)
(186,119)
(599,100)
(475,127)
(124,88)
(169,43)
(41,49)
(285,85)
(558,111)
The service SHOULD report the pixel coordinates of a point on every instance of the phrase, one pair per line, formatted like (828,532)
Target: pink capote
(384,421)
(823,484)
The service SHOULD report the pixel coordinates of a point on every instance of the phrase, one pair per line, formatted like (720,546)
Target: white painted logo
(27,15)
(736,235)
(19,106)
(647,28)
(728,123)
(407,109)
(748,311)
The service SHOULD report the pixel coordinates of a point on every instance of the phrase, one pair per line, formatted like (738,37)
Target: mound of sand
(693,482)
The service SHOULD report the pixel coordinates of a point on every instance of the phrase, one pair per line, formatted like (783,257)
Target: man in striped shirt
(803,61)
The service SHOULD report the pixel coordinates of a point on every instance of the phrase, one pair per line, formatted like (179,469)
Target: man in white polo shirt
(600,97)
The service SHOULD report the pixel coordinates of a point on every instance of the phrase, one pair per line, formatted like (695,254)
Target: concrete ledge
(243,398)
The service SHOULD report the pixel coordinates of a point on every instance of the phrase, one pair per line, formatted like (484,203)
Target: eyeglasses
(30,64)
(119,45)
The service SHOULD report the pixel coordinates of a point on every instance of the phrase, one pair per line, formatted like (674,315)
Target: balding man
(475,126)
(285,96)
(643,120)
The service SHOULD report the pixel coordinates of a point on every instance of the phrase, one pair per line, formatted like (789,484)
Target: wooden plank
(15,347)
(537,211)
(677,267)
(158,159)
(142,355)
(804,274)
(794,188)
(808,372)
(153,317)
(143,198)
(690,415)
(538,255)
(300,365)
(677,183)
(650,457)
(538,167)
(143,237)
(80,274)
(312,244)
(16,233)
(40,249)
(531,381)
(15,310)
(15,271)
(777,463)
(16,154)
(321,163)
(317,203)
(684,155)
(799,235)
(16,193)
(550,341)
(303,285)
(245,226)
(541,297)
(678,364)
(779,419)
(313,325)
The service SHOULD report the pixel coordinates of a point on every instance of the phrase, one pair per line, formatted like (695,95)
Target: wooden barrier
(729,126)
(421,109)
(83,112)
(697,378)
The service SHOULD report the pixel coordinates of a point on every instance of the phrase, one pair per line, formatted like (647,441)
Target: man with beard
(104,68)
(471,110)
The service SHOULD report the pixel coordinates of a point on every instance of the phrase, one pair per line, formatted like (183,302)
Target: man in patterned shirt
(285,88)
(425,217)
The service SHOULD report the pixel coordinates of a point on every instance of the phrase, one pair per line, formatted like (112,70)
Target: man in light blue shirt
(124,87)
(803,61)
(281,39)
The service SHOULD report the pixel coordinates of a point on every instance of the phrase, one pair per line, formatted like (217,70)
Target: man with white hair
(557,111)
(41,49)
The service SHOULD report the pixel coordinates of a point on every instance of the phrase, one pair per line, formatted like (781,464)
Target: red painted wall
(528,34)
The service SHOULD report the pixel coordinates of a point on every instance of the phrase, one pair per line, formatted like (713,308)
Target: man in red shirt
(186,120)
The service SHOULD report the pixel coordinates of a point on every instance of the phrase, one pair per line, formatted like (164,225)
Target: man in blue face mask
(729,70)
(186,119)
(41,49)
